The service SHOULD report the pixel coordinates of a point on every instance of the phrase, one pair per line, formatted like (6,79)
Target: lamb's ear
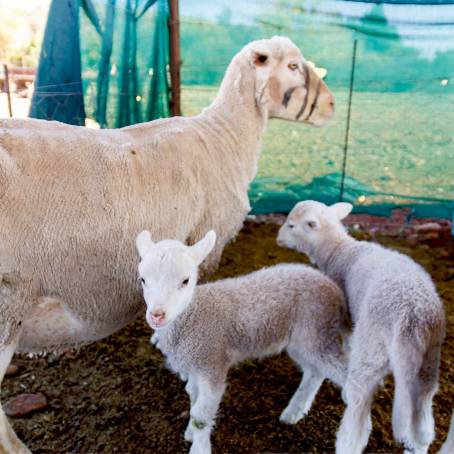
(143,243)
(202,248)
(340,210)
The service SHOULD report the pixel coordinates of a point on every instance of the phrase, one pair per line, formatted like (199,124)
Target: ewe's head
(286,85)
(310,224)
(168,272)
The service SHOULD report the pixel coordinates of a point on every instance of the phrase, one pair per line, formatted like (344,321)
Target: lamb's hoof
(200,449)
(290,417)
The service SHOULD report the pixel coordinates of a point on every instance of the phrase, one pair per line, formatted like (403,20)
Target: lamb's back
(391,287)
(263,308)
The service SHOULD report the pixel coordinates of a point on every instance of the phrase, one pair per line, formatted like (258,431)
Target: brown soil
(116,396)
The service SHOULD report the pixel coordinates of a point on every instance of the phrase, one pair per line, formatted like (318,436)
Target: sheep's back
(73,199)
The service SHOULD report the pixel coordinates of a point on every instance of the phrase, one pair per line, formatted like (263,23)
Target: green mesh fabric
(105,60)
(400,149)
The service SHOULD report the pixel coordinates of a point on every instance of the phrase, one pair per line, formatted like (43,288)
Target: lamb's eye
(293,66)
(142,280)
(290,226)
(311,224)
(185,282)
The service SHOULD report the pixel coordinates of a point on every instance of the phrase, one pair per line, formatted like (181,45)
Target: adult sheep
(72,200)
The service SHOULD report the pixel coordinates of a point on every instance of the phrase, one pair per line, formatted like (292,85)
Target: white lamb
(398,322)
(204,330)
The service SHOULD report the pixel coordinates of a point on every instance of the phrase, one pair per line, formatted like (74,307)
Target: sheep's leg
(9,443)
(191,389)
(368,365)
(301,401)
(16,297)
(204,412)
(448,445)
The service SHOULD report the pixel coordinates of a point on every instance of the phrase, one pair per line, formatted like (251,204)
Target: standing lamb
(205,330)
(398,322)
(67,192)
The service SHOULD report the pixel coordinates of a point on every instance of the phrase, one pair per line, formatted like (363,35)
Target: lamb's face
(311,223)
(168,272)
(288,83)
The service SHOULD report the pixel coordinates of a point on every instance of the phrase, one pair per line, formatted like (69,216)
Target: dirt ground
(116,396)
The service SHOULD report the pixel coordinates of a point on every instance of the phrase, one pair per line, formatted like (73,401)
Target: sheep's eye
(185,282)
(293,66)
(290,226)
(142,280)
(311,224)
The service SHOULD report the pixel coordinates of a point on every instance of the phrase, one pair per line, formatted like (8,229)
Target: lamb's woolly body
(254,316)
(398,321)
(217,325)
(400,294)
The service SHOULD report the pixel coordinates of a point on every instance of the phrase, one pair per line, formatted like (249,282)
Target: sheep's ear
(340,210)
(202,248)
(143,243)
(260,58)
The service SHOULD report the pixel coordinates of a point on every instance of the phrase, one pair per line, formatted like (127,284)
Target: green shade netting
(400,150)
(105,60)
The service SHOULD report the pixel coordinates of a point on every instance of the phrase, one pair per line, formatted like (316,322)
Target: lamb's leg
(204,412)
(301,401)
(191,389)
(423,389)
(368,365)
(9,443)
(154,338)
(415,368)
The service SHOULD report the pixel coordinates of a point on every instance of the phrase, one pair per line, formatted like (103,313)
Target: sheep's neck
(234,110)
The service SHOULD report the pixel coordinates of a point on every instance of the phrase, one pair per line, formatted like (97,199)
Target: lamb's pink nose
(158,317)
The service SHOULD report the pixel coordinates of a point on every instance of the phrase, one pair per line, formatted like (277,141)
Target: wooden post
(175,61)
(6,88)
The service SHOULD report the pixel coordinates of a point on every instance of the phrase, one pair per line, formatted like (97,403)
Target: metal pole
(349,110)
(6,87)
(175,60)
